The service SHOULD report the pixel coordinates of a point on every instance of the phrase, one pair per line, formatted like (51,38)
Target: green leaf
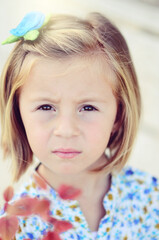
(11,39)
(31,35)
(47,18)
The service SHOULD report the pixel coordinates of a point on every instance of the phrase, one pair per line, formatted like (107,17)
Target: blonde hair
(68,36)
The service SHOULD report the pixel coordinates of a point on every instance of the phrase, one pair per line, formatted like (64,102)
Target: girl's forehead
(68,80)
(94,64)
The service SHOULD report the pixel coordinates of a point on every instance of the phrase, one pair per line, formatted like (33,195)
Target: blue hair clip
(28,28)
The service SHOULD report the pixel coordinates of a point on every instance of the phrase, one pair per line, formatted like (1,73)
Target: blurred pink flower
(42,208)
(27,206)
(23,207)
(42,184)
(62,226)
(68,192)
(8,227)
(51,236)
(8,193)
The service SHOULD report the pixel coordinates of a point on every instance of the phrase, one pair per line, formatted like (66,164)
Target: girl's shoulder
(138,186)
(134,177)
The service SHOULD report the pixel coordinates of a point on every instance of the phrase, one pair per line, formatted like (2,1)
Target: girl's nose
(66,126)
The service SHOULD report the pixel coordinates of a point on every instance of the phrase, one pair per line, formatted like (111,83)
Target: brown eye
(89,108)
(45,108)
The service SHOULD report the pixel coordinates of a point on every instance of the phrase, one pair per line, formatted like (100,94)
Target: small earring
(107,151)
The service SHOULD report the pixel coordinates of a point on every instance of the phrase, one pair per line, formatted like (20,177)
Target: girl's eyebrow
(93,99)
(47,99)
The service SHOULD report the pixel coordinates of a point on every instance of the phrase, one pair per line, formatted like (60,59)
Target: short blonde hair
(68,36)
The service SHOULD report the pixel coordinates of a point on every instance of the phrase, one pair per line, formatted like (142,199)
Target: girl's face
(68,110)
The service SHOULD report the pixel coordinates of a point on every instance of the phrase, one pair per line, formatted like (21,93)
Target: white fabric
(131,205)
(94,234)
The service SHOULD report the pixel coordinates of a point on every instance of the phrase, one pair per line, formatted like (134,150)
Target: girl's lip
(66,153)
(68,150)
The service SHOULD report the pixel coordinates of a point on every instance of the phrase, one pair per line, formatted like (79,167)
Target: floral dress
(131,205)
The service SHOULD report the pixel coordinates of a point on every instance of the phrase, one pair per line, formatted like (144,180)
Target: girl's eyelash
(89,108)
(47,107)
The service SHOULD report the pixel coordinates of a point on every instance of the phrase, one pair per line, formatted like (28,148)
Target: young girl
(70,96)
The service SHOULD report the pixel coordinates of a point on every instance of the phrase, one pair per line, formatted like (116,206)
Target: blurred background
(138,20)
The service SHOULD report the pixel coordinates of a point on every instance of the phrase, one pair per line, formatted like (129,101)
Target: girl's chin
(68,170)
(62,169)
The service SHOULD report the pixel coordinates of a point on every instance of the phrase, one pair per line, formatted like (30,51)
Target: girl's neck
(89,183)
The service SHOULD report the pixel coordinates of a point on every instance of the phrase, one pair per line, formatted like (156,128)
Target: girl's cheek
(43,116)
(93,129)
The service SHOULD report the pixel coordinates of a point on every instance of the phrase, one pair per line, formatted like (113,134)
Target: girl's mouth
(66,153)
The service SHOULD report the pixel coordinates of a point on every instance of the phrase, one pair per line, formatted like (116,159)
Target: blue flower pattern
(31,21)
(131,204)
